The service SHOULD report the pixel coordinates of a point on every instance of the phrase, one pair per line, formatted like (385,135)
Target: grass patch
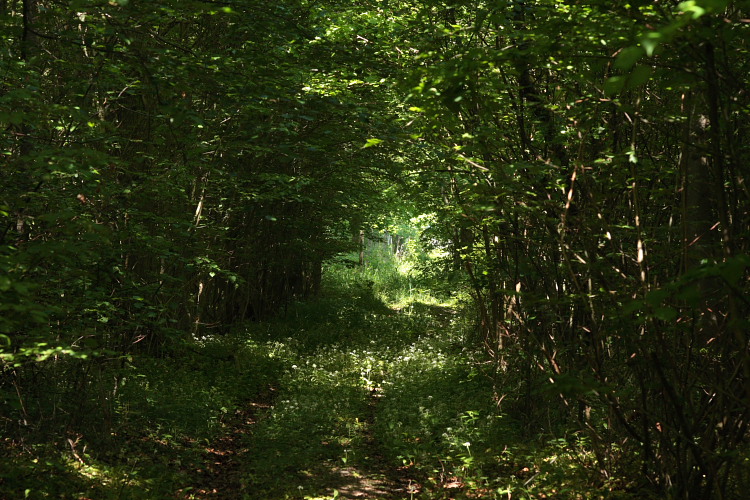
(162,413)
(376,378)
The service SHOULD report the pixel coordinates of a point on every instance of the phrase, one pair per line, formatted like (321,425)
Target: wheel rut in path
(220,477)
(375,480)
(292,442)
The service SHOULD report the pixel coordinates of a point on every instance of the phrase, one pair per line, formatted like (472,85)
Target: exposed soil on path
(375,480)
(220,477)
(354,483)
(314,437)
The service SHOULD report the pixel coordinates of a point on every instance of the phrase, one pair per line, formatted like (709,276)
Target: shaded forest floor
(355,395)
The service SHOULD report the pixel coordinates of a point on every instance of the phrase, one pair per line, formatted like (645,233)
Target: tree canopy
(175,169)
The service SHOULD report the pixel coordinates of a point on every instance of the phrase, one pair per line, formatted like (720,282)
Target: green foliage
(162,181)
(141,427)
(175,172)
(536,127)
(401,390)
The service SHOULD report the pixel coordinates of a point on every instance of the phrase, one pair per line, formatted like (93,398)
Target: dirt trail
(221,477)
(357,484)
(314,438)
(376,480)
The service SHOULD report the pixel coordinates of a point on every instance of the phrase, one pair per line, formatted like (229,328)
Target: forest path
(222,478)
(319,436)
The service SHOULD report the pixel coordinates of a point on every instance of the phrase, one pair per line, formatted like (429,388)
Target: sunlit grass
(411,297)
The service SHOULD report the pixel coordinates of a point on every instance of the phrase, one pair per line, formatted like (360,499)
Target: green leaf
(629,56)
(734,269)
(691,294)
(639,76)
(692,9)
(614,85)
(665,313)
(651,41)
(698,8)
(656,297)
(372,142)
(632,307)
(617,84)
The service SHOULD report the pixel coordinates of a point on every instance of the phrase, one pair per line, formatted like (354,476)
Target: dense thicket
(171,168)
(592,168)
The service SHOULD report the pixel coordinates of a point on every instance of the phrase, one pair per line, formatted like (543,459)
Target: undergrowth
(151,437)
(377,376)
(381,376)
